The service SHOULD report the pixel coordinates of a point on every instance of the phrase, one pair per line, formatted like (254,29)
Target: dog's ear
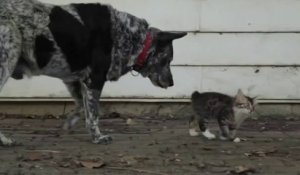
(169,36)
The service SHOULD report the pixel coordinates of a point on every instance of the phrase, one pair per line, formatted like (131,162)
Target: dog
(84,45)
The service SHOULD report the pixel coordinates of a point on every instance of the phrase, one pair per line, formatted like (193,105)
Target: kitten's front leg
(229,133)
(203,121)
(208,134)
(225,133)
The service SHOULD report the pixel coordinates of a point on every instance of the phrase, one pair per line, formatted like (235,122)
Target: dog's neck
(129,34)
(142,58)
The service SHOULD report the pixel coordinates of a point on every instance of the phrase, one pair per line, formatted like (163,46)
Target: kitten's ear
(240,97)
(255,100)
(240,93)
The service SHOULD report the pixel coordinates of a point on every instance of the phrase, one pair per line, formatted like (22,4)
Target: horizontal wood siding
(248,44)
(266,82)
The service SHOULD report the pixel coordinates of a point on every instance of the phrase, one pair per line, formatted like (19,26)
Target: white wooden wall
(248,44)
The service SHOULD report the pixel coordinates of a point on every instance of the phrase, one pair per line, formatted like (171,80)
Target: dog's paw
(223,138)
(103,139)
(70,123)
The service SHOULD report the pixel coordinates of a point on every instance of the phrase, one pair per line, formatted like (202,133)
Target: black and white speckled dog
(84,45)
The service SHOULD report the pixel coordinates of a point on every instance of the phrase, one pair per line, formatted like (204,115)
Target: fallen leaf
(86,163)
(64,164)
(242,170)
(2,116)
(132,160)
(91,164)
(177,160)
(216,164)
(237,140)
(174,160)
(154,142)
(260,153)
(218,170)
(33,157)
(198,165)
(291,118)
(131,122)
(207,148)
(263,128)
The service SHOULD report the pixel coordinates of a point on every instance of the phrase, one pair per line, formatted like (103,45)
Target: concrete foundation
(132,108)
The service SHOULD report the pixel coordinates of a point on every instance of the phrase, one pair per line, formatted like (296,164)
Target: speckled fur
(22,21)
(128,34)
(229,111)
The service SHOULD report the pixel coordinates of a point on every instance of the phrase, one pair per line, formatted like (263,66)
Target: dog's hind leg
(72,118)
(91,106)
(10,51)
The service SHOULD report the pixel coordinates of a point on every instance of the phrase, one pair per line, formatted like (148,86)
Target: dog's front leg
(75,90)
(91,106)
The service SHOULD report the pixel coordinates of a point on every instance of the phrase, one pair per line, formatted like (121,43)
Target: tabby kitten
(230,112)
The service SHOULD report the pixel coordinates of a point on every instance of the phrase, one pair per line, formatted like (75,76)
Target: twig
(137,132)
(294,147)
(45,151)
(136,170)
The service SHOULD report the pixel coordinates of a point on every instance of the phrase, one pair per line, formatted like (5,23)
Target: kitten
(230,112)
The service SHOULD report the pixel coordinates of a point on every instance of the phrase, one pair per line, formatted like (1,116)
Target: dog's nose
(171,83)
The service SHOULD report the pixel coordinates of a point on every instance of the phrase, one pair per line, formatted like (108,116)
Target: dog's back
(84,45)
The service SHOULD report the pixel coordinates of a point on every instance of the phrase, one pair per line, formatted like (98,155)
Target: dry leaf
(65,164)
(260,153)
(207,148)
(91,164)
(242,170)
(237,140)
(129,160)
(33,157)
(131,122)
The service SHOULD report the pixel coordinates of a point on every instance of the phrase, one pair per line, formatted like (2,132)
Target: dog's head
(160,55)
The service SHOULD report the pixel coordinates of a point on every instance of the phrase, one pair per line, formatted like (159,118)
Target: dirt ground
(149,145)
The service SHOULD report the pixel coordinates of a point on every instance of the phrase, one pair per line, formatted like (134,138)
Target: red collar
(142,58)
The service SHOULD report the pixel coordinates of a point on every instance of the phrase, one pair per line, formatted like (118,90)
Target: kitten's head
(244,104)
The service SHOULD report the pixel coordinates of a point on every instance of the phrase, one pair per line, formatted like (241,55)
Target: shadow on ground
(149,145)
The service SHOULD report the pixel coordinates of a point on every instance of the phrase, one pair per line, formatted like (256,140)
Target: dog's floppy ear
(169,36)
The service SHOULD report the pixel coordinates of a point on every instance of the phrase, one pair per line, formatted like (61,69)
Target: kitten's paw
(223,138)
(208,135)
(193,133)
